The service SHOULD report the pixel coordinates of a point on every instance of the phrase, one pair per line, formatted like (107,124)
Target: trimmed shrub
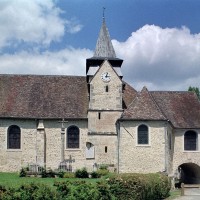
(84,191)
(104,191)
(140,186)
(48,173)
(81,173)
(44,173)
(30,192)
(63,188)
(103,166)
(69,175)
(23,172)
(102,172)
(95,174)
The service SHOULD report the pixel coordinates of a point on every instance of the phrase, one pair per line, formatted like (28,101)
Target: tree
(196,90)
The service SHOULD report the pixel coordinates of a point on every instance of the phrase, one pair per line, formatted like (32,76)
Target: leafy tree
(196,90)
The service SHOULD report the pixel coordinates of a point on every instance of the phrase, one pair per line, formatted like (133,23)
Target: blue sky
(159,40)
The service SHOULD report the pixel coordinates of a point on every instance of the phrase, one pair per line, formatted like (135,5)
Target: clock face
(105,76)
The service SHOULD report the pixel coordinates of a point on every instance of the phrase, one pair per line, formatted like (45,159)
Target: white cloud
(65,62)
(35,21)
(159,58)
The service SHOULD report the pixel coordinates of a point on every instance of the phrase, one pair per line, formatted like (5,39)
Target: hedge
(124,186)
(140,186)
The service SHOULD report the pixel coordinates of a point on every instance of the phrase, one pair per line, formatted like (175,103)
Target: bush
(81,173)
(140,186)
(61,174)
(44,173)
(63,188)
(103,166)
(102,172)
(3,191)
(31,191)
(104,191)
(84,191)
(95,174)
(48,173)
(22,172)
(69,175)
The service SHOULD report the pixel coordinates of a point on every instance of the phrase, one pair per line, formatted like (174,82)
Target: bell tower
(104,78)
(104,51)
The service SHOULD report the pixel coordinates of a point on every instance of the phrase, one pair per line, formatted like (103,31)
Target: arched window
(190,141)
(14,137)
(143,135)
(73,137)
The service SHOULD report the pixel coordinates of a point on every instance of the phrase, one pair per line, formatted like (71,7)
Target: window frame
(14,143)
(72,138)
(147,135)
(190,143)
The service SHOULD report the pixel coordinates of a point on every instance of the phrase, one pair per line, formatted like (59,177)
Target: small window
(190,141)
(99,115)
(106,88)
(106,149)
(73,137)
(14,137)
(170,141)
(143,135)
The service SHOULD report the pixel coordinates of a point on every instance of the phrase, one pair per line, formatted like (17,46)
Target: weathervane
(104,12)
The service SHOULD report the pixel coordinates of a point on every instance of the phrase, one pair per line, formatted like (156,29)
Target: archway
(189,173)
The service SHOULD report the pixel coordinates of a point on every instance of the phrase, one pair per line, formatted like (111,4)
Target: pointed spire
(104,47)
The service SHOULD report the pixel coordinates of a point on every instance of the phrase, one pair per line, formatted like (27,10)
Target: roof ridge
(157,106)
(144,101)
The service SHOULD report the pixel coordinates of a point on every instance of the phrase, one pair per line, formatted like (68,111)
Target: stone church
(87,121)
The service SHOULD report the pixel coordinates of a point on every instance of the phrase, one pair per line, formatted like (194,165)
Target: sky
(159,40)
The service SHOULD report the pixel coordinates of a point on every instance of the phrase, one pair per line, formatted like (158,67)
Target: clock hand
(107,75)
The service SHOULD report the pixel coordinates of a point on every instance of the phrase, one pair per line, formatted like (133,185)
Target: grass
(174,194)
(13,180)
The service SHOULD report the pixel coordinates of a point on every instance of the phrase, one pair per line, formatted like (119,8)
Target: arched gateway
(189,173)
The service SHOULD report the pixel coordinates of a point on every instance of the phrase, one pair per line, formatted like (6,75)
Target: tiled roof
(33,96)
(129,94)
(143,107)
(181,108)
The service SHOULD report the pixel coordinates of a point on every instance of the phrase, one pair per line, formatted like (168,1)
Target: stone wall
(105,123)
(31,145)
(99,98)
(142,158)
(14,159)
(180,156)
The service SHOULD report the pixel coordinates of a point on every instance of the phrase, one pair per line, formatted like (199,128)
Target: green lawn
(174,193)
(13,180)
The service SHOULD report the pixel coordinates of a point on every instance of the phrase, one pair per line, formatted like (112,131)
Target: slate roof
(104,47)
(33,96)
(143,107)
(181,108)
